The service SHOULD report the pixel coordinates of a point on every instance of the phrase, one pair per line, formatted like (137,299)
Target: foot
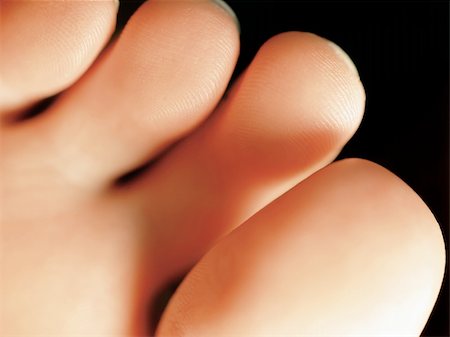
(139,167)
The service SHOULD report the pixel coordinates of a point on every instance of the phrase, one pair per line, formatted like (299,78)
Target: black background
(401,50)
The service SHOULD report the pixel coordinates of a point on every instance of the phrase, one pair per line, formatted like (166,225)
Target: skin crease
(82,256)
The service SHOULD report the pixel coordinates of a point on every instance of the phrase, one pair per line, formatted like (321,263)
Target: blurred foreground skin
(282,243)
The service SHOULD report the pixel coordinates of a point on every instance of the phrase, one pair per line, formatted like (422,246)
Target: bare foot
(88,247)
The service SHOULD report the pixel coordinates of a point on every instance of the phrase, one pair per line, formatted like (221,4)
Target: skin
(345,249)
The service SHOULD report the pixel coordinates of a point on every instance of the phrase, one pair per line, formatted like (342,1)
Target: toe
(47,45)
(289,114)
(161,78)
(351,251)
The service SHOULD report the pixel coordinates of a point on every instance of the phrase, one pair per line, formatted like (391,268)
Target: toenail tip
(222,4)
(344,57)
